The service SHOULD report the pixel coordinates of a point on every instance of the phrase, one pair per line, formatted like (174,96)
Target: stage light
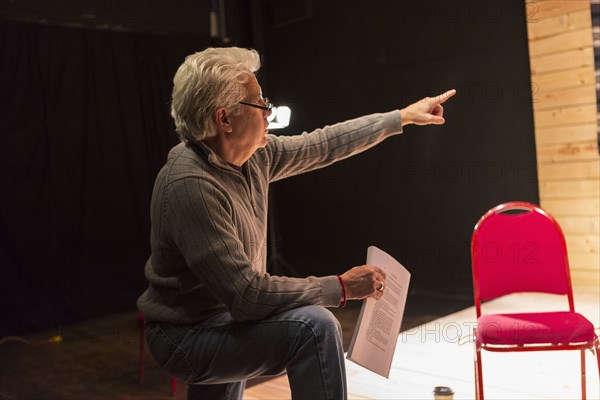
(280,117)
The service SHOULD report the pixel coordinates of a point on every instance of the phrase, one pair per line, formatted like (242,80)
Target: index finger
(445,96)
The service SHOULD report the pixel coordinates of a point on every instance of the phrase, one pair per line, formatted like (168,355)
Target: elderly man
(214,316)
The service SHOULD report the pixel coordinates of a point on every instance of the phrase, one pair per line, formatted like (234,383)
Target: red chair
(518,247)
(140,323)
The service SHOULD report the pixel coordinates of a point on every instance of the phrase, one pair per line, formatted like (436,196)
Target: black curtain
(85,126)
(419,195)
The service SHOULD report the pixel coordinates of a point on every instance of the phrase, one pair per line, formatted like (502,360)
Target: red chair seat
(534,328)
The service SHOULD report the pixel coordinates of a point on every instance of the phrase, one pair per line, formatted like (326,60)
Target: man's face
(250,125)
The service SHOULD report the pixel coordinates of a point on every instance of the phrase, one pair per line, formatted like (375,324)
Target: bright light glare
(280,117)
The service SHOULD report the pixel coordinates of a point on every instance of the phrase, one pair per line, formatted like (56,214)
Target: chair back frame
(526,207)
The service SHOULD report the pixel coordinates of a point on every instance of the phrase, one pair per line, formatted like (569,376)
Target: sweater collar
(211,156)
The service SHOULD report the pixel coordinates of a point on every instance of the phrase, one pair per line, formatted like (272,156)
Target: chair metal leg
(598,355)
(583,386)
(173,385)
(476,381)
(478,373)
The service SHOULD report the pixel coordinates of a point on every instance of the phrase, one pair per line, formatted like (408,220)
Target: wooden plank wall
(564,95)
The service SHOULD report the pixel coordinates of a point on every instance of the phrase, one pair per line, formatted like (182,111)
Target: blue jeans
(216,356)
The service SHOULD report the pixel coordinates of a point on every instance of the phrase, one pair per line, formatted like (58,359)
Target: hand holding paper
(364,282)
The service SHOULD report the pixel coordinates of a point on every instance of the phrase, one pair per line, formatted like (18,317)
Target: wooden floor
(98,360)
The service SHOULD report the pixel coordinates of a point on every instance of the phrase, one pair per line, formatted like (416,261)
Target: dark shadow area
(416,196)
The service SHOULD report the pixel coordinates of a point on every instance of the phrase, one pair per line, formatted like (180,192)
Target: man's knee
(322,323)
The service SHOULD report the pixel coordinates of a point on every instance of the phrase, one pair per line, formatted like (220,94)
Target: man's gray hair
(206,80)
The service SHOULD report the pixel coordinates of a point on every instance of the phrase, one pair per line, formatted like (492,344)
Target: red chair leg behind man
(142,365)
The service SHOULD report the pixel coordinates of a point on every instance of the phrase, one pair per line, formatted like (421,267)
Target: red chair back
(522,251)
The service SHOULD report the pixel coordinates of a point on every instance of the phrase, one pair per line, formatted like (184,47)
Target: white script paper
(378,326)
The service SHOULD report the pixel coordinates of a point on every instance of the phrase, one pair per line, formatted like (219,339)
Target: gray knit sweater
(209,226)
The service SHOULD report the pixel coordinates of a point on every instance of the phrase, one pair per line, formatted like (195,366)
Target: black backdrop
(85,126)
(417,196)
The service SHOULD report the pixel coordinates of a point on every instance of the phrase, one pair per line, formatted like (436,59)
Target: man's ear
(222,119)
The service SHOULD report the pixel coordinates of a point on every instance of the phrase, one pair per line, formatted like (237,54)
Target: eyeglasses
(267,107)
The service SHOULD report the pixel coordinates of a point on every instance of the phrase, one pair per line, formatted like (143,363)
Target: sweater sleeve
(292,155)
(206,237)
